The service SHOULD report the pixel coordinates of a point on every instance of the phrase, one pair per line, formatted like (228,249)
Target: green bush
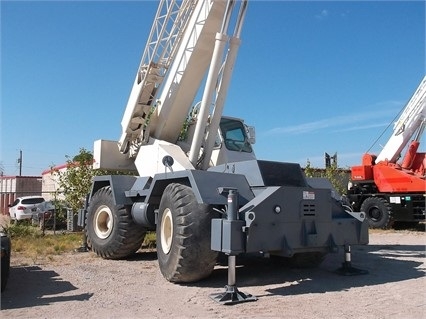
(21,229)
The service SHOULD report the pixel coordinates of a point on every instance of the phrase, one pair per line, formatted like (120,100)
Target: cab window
(234,135)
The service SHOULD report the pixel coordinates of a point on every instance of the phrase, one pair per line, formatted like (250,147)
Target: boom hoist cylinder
(219,75)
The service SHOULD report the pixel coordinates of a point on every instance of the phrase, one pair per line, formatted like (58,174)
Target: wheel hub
(103,222)
(166,231)
(375,214)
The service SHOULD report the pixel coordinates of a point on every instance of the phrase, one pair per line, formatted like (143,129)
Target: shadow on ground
(384,263)
(31,286)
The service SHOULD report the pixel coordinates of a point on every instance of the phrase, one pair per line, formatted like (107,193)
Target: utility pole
(20,162)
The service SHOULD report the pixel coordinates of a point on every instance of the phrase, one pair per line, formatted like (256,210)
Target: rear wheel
(110,230)
(183,236)
(378,212)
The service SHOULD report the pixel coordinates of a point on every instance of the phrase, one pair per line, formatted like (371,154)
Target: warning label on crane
(308,195)
(395,200)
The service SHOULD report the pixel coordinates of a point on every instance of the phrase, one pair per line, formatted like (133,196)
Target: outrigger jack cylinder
(347,269)
(231,243)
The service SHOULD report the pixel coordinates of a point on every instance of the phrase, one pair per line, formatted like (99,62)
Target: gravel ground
(82,285)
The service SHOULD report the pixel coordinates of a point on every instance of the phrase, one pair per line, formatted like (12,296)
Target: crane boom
(165,37)
(188,70)
(178,52)
(407,125)
(188,43)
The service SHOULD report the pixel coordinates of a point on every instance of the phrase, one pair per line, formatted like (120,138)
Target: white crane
(205,193)
(410,123)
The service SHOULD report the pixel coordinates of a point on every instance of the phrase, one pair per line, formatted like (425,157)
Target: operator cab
(233,143)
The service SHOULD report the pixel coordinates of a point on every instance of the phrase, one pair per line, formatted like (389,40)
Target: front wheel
(110,230)
(377,211)
(183,236)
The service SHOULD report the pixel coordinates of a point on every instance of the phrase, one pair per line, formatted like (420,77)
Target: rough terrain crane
(198,182)
(388,190)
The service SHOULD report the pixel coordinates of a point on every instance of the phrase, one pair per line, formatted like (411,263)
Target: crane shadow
(30,286)
(384,263)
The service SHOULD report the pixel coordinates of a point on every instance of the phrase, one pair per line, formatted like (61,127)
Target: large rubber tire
(183,236)
(378,212)
(110,230)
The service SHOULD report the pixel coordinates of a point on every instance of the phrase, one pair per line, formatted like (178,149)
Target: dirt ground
(82,285)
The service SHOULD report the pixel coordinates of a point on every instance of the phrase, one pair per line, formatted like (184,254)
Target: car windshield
(36,200)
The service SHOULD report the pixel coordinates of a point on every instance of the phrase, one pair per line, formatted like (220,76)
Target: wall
(12,187)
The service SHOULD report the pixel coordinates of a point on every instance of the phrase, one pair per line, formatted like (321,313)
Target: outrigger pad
(348,270)
(232,296)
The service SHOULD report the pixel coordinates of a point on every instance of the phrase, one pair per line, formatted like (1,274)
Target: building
(50,183)
(46,185)
(12,187)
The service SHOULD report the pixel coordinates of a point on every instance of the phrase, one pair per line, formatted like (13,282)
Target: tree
(75,182)
(338,177)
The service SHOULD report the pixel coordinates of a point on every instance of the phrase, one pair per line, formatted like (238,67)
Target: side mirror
(251,134)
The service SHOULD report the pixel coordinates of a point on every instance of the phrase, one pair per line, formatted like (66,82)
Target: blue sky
(311,76)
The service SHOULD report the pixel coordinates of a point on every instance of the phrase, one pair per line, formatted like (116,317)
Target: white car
(25,207)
